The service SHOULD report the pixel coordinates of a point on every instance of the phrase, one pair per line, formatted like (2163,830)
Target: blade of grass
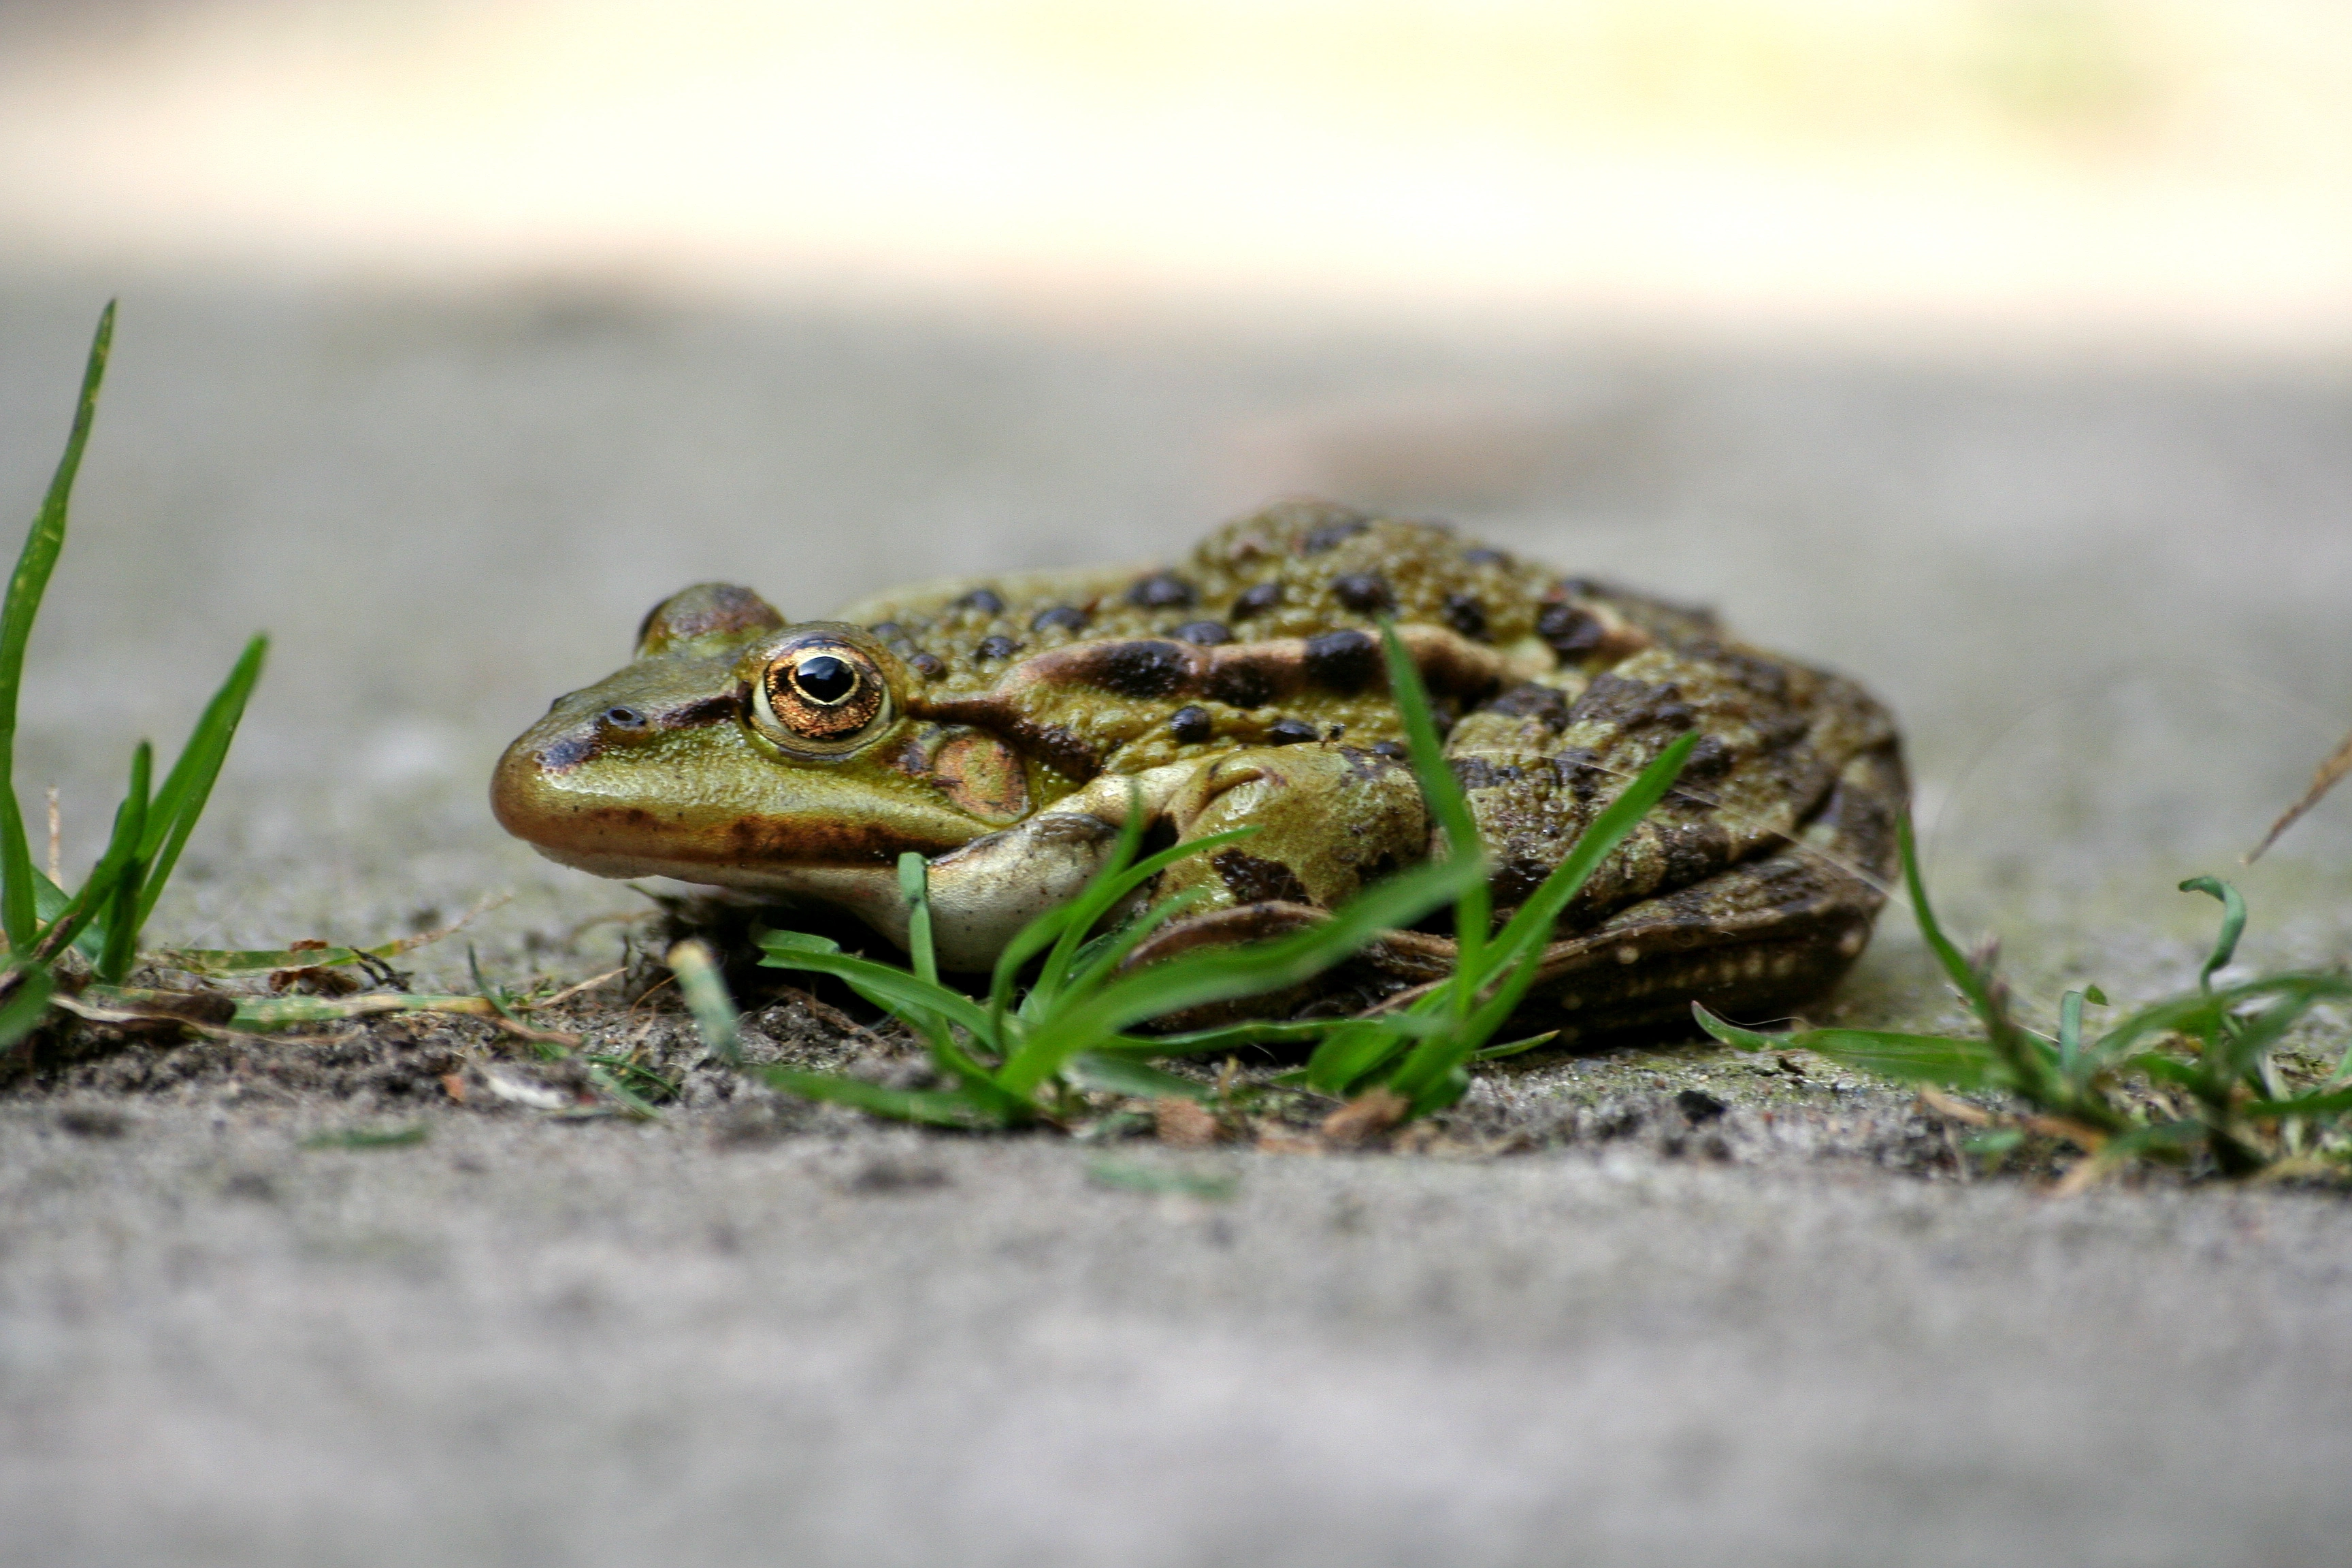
(904,996)
(1197,979)
(915,886)
(1960,1064)
(189,786)
(121,847)
(883,984)
(1437,1059)
(938,1107)
(1962,974)
(706,997)
(25,1005)
(1122,1075)
(27,586)
(2233,925)
(121,906)
(1473,906)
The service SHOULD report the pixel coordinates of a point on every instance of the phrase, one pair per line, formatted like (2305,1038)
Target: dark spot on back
(996,647)
(1061,617)
(1466,614)
(1256,600)
(985,600)
(1252,880)
(1140,669)
(1578,774)
(1482,557)
(1517,879)
(1534,700)
(1161,591)
(1240,683)
(1331,535)
(1289,732)
(1571,633)
(1343,661)
(1190,725)
(927,666)
(1366,592)
(1708,761)
(1397,749)
(1632,705)
(888,631)
(1206,634)
(1478,773)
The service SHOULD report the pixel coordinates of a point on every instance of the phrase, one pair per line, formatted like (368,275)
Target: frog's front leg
(1328,821)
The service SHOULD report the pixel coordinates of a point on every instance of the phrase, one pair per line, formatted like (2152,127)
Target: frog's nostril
(622,718)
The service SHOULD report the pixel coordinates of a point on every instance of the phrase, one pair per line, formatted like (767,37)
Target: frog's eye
(820,695)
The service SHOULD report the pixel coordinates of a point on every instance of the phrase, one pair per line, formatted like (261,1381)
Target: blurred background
(1992,351)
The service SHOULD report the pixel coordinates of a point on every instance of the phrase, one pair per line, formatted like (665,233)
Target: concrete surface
(2104,594)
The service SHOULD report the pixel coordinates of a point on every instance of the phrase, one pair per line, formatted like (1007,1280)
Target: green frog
(1005,727)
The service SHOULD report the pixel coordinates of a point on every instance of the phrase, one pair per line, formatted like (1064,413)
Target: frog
(1007,728)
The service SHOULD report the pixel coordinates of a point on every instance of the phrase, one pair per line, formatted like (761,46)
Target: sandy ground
(1598,1322)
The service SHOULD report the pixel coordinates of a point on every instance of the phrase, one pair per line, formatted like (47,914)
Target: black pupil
(825,678)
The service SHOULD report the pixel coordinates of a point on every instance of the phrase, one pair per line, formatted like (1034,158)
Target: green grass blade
(1027,943)
(1955,1063)
(1354,1052)
(1211,1042)
(1197,979)
(884,984)
(2233,924)
(1514,1048)
(121,848)
(2332,1102)
(189,786)
(1963,976)
(1094,900)
(1096,966)
(42,543)
(936,1107)
(1520,946)
(915,886)
(633,1105)
(1475,906)
(1736,1037)
(706,997)
(1107,1074)
(908,997)
(2069,1038)
(121,905)
(2198,1012)
(25,1005)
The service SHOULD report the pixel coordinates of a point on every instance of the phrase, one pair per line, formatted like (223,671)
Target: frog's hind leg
(1752,940)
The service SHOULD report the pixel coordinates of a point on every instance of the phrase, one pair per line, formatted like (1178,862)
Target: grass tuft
(59,940)
(2192,1079)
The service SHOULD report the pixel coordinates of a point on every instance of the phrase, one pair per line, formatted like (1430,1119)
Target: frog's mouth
(811,832)
(714,810)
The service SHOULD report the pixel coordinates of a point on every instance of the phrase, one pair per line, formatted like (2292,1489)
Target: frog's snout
(535,794)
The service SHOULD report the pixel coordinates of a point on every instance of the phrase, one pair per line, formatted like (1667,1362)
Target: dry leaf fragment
(2338,763)
(1368,1115)
(1185,1124)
